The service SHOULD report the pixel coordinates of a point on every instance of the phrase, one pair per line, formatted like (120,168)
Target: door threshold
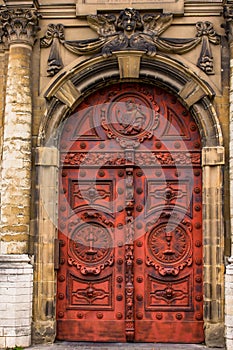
(66,345)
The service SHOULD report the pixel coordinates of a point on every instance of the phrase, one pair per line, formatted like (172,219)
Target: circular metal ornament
(169,244)
(91,243)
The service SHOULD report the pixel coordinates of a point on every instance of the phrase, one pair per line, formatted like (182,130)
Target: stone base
(16,276)
(43,332)
(229,307)
(214,335)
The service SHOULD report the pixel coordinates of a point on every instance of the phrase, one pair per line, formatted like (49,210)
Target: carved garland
(142,158)
(130,30)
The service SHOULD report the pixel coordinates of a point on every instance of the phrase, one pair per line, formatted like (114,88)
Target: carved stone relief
(19,25)
(130,31)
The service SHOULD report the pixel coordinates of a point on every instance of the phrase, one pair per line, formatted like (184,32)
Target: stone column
(44,322)
(228,14)
(19,28)
(213,245)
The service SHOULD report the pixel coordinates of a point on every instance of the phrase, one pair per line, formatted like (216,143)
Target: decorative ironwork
(170,248)
(177,158)
(129,255)
(168,193)
(90,270)
(97,216)
(169,294)
(90,294)
(91,194)
(91,246)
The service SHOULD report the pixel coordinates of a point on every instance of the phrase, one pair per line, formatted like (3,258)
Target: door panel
(130,213)
(167,277)
(91,280)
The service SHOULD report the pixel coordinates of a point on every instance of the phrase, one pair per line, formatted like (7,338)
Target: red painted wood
(130,220)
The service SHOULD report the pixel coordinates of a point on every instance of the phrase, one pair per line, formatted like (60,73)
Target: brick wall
(16,276)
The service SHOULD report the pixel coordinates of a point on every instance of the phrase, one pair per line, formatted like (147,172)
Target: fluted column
(228,14)
(18,31)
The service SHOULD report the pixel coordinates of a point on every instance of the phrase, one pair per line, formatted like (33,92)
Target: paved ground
(119,346)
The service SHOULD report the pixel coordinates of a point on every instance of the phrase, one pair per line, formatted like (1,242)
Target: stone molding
(202,8)
(79,8)
(47,156)
(6,260)
(86,7)
(228,15)
(19,25)
(212,156)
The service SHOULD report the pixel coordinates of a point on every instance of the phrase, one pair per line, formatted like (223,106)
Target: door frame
(62,96)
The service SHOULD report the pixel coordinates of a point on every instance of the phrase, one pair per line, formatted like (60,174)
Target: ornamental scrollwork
(131,31)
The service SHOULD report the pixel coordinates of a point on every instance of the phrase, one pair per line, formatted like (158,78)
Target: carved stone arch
(64,93)
(81,78)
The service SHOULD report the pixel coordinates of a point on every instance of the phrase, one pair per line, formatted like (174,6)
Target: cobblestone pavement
(119,346)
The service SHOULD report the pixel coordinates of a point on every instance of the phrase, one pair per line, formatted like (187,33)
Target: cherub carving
(104,25)
(131,31)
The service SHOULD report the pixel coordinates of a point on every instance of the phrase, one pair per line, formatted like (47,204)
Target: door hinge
(56,254)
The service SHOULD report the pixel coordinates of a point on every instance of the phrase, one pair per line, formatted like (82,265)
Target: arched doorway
(130,219)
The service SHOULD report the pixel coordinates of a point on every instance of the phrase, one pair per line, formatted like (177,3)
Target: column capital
(19,25)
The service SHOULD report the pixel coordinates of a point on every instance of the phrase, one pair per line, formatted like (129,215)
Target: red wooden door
(130,220)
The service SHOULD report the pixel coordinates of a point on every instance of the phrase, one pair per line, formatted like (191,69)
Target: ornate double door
(130,218)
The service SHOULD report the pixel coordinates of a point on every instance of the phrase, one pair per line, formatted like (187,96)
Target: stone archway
(63,95)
